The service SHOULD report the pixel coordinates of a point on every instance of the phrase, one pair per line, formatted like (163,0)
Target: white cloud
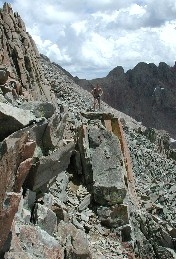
(98,49)
(79,27)
(89,38)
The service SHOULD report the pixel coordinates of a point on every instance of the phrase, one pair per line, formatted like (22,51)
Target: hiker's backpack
(4,73)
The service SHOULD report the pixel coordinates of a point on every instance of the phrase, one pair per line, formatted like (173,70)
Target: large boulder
(103,164)
(13,119)
(46,219)
(37,244)
(75,241)
(47,167)
(54,131)
(39,109)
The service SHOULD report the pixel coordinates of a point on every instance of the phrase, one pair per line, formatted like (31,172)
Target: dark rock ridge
(76,183)
(147,93)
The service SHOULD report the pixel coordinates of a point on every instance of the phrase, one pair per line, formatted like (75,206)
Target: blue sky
(90,37)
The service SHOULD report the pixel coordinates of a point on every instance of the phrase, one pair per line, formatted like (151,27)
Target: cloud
(89,38)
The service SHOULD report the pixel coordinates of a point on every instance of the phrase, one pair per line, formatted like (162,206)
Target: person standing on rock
(97,93)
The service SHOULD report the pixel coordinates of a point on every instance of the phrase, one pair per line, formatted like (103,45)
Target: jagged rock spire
(19,53)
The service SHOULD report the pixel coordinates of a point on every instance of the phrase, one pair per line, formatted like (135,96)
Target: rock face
(104,162)
(20,55)
(16,160)
(76,183)
(146,93)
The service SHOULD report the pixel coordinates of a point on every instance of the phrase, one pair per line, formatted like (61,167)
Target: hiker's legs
(98,102)
(94,105)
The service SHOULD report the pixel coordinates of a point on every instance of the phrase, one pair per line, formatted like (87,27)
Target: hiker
(97,93)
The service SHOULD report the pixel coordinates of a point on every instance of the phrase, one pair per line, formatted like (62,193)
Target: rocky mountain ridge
(76,183)
(147,93)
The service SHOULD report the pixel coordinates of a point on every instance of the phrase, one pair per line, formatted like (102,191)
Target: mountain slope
(146,93)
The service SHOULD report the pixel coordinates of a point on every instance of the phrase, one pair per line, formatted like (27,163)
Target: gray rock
(46,219)
(13,119)
(75,241)
(39,109)
(77,224)
(108,172)
(114,216)
(54,131)
(50,166)
(58,188)
(85,203)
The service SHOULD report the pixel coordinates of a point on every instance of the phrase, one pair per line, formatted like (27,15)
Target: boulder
(46,219)
(107,167)
(47,167)
(39,109)
(75,241)
(37,242)
(13,119)
(59,185)
(54,131)
(114,216)
(4,74)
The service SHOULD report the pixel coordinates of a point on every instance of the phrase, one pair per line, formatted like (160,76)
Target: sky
(89,38)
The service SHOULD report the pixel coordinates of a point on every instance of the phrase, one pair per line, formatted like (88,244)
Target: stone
(26,216)
(59,185)
(78,245)
(29,199)
(46,219)
(126,232)
(48,200)
(40,243)
(77,224)
(85,202)
(113,216)
(7,212)
(84,217)
(4,74)
(61,212)
(35,132)
(13,119)
(108,173)
(49,166)
(39,109)
(54,131)
(14,166)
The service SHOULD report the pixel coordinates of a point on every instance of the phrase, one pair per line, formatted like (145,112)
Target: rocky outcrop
(20,55)
(103,166)
(16,160)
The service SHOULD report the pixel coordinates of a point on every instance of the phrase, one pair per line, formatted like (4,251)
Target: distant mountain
(147,93)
